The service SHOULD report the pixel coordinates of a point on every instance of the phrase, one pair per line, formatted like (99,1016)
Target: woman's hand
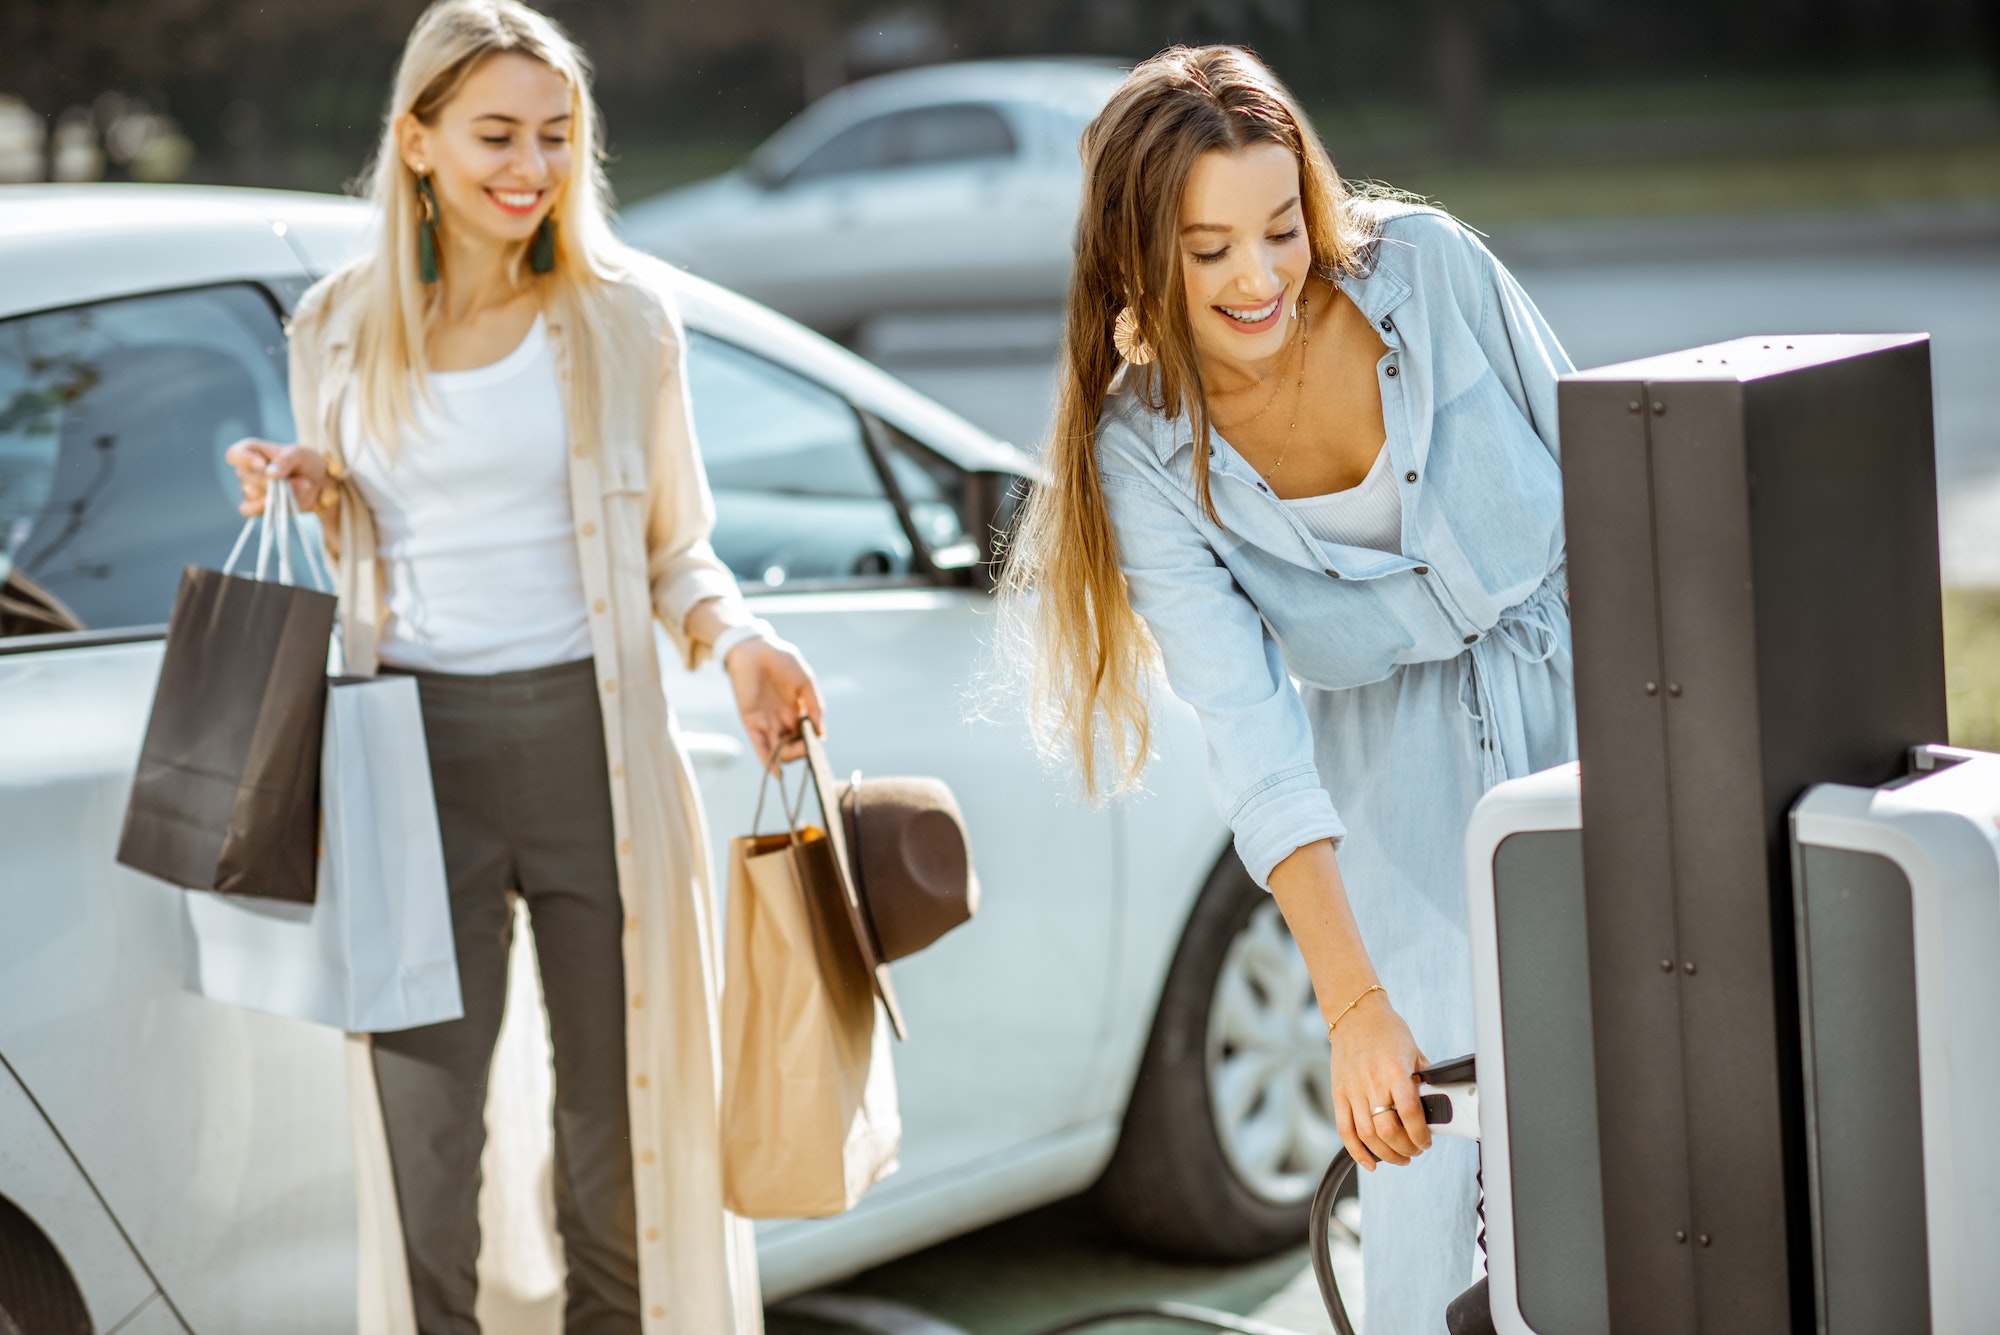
(258,461)
(1375,1061)
(774,690)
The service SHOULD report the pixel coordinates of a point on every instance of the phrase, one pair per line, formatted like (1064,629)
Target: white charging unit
(1896,897)
(1896,894)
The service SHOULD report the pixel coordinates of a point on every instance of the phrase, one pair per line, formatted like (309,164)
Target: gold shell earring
(1131,344)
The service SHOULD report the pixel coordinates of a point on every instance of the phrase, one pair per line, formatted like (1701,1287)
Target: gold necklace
(1277,384)
(1299,393)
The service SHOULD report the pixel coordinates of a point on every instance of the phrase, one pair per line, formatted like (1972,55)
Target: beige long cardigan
(643,516)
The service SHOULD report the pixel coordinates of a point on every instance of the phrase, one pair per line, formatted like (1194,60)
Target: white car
(171,1164)
(951,186)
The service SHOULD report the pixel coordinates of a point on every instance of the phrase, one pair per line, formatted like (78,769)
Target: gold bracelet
(1372,987)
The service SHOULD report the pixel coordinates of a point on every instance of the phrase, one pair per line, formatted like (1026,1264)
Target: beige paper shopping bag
(809,1117)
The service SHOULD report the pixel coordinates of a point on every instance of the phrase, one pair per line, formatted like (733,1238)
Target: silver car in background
(949,187)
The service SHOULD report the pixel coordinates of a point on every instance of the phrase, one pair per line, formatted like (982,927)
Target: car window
(113,419)
(920,136)
(934,492)
(961,133)
(863,146)
(797,495)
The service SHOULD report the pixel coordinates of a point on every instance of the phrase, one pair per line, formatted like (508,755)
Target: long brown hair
(1065,605)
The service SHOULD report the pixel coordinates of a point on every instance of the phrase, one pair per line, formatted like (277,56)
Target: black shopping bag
(227,792)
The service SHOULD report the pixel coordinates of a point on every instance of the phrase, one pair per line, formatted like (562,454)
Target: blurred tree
(1989,45)
(1458,75)
(313,71)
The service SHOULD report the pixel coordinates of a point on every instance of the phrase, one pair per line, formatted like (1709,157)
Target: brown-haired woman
(1305,462)
(494,427)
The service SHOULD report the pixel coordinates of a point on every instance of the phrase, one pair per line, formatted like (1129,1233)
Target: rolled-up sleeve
(1221,660)
(681,564)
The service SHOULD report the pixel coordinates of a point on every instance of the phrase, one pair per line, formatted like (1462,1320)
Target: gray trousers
(524,808)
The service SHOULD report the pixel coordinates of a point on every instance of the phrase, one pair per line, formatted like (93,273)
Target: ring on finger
(1379,1109)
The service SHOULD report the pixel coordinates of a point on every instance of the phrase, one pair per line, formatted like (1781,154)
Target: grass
(1642,102)
(1485,193)
(1714,146)
(1972,666)
(1740,94)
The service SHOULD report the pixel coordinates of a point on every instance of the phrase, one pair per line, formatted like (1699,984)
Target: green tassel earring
(542,253)
(427,247)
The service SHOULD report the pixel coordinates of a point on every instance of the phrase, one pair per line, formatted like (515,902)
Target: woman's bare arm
(1374,1056)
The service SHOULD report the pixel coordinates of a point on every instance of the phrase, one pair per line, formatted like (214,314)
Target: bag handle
(316,567)
(278,502)
(276,529)
(275,533)
(792,807)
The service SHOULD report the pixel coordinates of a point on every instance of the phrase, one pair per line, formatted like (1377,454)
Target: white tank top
(473,523)
(1369,514)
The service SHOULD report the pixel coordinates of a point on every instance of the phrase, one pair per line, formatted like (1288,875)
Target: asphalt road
(1614,298)
(1027,1273)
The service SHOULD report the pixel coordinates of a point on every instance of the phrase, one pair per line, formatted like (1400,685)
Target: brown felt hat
(905,862)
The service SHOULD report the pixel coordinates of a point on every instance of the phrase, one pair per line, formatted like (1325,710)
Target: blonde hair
(1065,607)
(451,40)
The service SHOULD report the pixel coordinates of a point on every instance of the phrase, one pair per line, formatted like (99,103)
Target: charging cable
(1451,1107)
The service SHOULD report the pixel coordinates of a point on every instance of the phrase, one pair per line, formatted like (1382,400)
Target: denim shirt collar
(1377,288)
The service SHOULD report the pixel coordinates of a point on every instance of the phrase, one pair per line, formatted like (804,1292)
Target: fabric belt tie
(1528,632)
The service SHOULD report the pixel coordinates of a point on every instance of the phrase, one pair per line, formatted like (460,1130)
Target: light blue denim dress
(1372,697)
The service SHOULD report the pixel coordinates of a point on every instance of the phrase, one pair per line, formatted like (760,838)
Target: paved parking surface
(1026,1273)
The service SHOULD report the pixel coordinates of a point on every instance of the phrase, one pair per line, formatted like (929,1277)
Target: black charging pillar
(1753,559)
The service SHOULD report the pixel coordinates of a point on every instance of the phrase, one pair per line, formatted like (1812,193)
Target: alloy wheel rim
(1266,1061)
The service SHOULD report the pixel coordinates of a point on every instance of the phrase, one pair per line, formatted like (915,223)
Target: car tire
(37,1293)
(1190,1177)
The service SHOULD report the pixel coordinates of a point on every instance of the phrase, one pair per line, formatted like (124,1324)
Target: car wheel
(1230,1124)
(36,1292)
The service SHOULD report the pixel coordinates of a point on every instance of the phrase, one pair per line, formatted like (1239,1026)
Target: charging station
(1896,901)
(1738,972)
(1753,556)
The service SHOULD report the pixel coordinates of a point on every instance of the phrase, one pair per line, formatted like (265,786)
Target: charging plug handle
(1450,1096)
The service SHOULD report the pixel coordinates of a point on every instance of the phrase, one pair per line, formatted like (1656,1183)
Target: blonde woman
(1309,437)
(494,429)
